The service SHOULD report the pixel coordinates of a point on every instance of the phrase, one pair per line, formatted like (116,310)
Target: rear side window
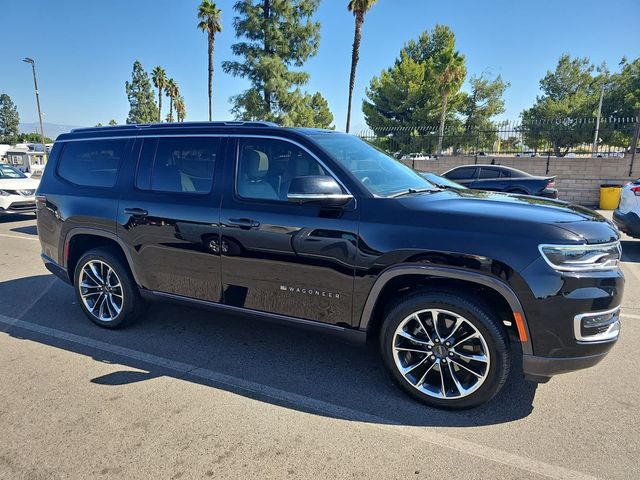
(92,163)
(465,173)
(489,173)
(180,165)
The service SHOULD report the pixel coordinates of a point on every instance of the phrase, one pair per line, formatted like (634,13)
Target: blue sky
(85,49)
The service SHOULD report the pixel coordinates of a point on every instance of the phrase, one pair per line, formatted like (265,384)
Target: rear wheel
(105,289)
(445,349)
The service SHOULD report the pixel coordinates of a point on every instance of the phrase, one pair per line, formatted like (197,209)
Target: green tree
(277,36)
(172,92)
(407,98)
(359,8)
(143,108)
(112,123)
(9,119)
(479,107)
(181,109)
(311,111)
(210,22)
(449,69)
(622,100)
(569,93)
(159,77)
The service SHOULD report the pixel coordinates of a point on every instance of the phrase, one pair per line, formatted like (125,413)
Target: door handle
(245,223)
(136,212)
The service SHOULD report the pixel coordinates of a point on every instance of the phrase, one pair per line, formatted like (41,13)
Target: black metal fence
(571,137)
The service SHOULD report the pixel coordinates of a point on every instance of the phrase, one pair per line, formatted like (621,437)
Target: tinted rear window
(92,163)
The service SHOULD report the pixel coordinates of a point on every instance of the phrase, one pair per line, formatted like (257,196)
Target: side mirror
(317,188)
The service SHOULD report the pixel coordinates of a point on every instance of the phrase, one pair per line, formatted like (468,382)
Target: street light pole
(595,136)
(35,85)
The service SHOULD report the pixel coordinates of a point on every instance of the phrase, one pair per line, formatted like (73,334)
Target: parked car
(442,182)
(497,178)
(318,229)
(17,191)
(627,215)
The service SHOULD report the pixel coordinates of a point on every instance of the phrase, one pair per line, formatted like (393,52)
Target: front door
(280,257)
(171,218)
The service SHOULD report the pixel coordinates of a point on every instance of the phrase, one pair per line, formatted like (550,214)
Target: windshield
(9,172)
(378,172)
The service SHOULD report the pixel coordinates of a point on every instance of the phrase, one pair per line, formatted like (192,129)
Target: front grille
(22,206)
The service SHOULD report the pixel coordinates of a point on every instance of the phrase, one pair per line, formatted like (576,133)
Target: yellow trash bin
(609,196)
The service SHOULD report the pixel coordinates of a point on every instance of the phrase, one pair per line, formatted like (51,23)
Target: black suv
(317,228)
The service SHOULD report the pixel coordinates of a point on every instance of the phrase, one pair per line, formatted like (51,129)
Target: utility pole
(35,85)
(595,136)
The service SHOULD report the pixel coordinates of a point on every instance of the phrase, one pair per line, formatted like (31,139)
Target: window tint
(489,173)
(92,163)
(183,165)
(267,166)
(465,173)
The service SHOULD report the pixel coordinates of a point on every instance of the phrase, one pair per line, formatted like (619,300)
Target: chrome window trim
(578,247)
(611,334)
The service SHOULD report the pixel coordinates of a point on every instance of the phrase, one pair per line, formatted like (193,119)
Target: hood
(517,214)
(18,184)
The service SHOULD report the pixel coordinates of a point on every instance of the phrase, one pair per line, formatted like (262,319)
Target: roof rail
(135,126)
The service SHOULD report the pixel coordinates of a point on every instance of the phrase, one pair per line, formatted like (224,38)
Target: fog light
(597,326)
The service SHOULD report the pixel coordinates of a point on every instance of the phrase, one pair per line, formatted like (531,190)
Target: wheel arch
(374,305)
(80,240)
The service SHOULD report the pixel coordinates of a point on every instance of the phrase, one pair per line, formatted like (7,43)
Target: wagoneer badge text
(309,291)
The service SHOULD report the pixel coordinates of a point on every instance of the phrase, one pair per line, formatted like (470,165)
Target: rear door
(169,214)
(489,178)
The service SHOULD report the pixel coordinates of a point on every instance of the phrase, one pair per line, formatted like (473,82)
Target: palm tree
(359,8)
(450,79)
(159,78)
(181,110)
(172,93)
(210,22)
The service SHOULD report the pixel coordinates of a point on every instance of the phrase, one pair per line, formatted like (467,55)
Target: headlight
(580,258)
(4,194)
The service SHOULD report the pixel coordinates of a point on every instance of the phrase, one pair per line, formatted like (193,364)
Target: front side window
(179,165)
(92,163)
(267,166)
(379,173)
(465,173)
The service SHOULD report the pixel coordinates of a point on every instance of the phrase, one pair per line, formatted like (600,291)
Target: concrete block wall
(578,179)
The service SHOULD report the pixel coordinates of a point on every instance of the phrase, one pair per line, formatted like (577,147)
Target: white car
(17,191)
(627,215)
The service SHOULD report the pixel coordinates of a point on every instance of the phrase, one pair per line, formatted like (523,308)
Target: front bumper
(628,223)
(540,369)
(15,204)
(556,303)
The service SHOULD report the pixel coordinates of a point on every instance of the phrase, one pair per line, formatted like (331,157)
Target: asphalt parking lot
(190,394)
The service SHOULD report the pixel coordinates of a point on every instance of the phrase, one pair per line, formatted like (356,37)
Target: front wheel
(445,349)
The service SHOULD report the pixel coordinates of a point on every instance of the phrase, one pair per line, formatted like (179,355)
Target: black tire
(476,312)
(132,303)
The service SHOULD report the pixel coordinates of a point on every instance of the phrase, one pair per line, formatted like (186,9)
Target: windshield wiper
(411,191)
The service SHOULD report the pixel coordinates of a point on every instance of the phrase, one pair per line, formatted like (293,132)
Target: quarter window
(92,163)
(267,166)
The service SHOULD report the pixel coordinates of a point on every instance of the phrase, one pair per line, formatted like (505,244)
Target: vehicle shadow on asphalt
(249,357)
(29,230)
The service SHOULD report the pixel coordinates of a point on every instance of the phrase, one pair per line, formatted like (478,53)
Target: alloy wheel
(441,354)
(101,290)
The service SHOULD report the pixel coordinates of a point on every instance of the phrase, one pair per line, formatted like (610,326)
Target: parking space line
(423,434)
(22,237)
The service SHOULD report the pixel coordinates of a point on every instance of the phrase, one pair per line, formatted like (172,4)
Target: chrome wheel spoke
(446,340)
(472,358)
(101,291)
